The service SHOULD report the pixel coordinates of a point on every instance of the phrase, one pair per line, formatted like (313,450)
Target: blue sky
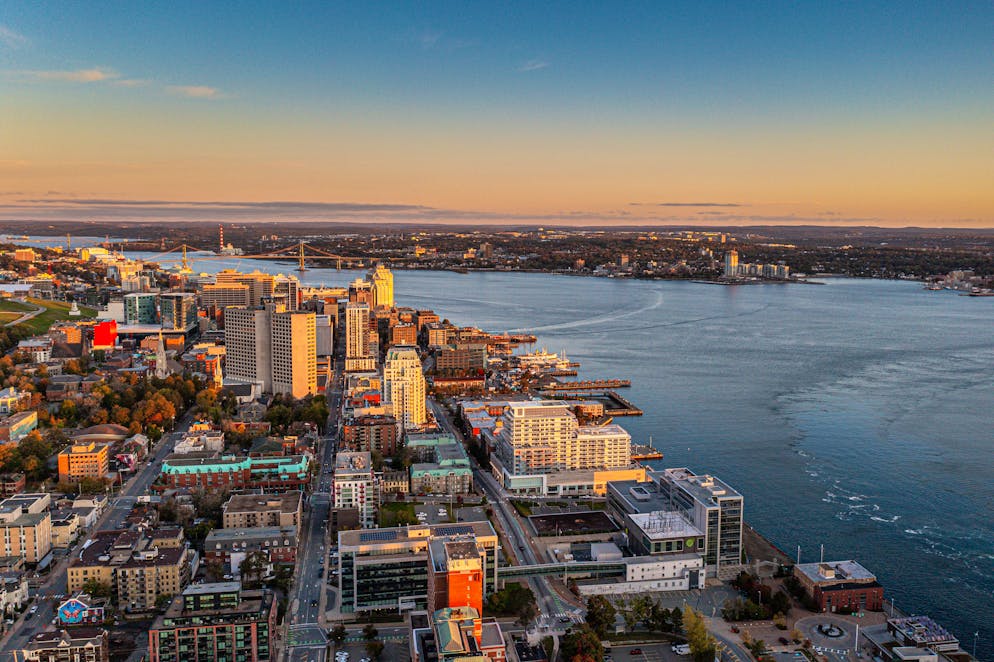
(616,77)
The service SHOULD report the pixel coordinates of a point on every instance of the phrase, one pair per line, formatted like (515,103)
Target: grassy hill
(52,311)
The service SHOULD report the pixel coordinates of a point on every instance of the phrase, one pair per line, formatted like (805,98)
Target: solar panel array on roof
(377,536)
(457,530)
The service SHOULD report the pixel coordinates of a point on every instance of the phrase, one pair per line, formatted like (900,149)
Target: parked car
(784,641)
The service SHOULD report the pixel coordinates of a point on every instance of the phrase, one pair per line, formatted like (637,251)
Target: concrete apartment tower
(248,339)
(357,355)
(294,353)
(404,386)
(273,347)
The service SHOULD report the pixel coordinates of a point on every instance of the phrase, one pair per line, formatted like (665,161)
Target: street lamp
(976,635)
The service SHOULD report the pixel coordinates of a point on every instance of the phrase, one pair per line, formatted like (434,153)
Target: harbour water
(855,414)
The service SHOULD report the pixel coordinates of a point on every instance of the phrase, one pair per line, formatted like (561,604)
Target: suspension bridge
(302,252)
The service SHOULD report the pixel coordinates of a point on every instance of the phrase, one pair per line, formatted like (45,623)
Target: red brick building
(841,586)
(371,433)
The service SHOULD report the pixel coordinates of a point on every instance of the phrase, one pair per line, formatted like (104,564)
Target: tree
(676,619)
(374,648)
(600,615)
(96,589)
(702,644)
(369,632)
(582,645)
(513,600)
(338,634)
(253,566)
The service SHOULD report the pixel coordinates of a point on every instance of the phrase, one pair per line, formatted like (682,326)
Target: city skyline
(769,113)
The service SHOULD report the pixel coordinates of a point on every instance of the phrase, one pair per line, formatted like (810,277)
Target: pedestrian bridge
(575,569)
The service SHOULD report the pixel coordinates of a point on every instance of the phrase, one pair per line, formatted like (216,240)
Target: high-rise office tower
(382,280)
(179,310)
(294,353)
(404,386)
(140,308)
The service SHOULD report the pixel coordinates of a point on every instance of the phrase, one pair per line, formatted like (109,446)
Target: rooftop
(834,571)
(212,587)
(704,488)
(288,502)
(664,525)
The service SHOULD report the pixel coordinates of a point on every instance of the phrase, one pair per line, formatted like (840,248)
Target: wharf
(587,385)
(614,404)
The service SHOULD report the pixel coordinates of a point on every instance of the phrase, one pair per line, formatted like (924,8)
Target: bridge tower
(301,267)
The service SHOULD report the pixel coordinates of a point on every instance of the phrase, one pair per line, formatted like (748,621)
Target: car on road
(33,610)
(681,649)
(784,641)
(635,651)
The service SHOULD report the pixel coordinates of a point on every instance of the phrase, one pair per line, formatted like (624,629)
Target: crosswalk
(306,635)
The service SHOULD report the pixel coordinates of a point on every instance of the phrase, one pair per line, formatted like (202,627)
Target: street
(306,638)
(112,518)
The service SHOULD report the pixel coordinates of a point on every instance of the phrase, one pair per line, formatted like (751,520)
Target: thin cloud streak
(94,75)
(685,204)
(185,210)
(11,39)
(533,65)
(195,91)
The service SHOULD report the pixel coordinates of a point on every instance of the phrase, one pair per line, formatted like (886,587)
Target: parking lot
(395,651)
(647,653)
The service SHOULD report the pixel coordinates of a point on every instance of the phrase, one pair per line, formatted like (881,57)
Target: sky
(577,113)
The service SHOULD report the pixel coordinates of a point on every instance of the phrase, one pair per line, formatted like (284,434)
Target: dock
(614,404)
(587,385)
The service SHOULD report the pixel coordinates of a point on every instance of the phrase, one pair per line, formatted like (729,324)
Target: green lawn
(397,513)
(54,311)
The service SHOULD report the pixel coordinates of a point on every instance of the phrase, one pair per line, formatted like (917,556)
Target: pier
(614,404)
(587,385)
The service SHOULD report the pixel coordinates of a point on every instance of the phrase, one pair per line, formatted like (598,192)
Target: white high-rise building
(294,352)
(382,280)
(404,386)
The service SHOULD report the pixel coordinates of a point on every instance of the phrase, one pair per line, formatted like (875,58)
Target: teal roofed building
(210,471)
(443,466)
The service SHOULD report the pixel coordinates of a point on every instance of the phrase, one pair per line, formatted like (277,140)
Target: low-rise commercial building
(214,623)
(840,586)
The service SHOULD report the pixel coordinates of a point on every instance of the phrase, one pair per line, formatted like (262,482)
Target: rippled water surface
(855,414)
